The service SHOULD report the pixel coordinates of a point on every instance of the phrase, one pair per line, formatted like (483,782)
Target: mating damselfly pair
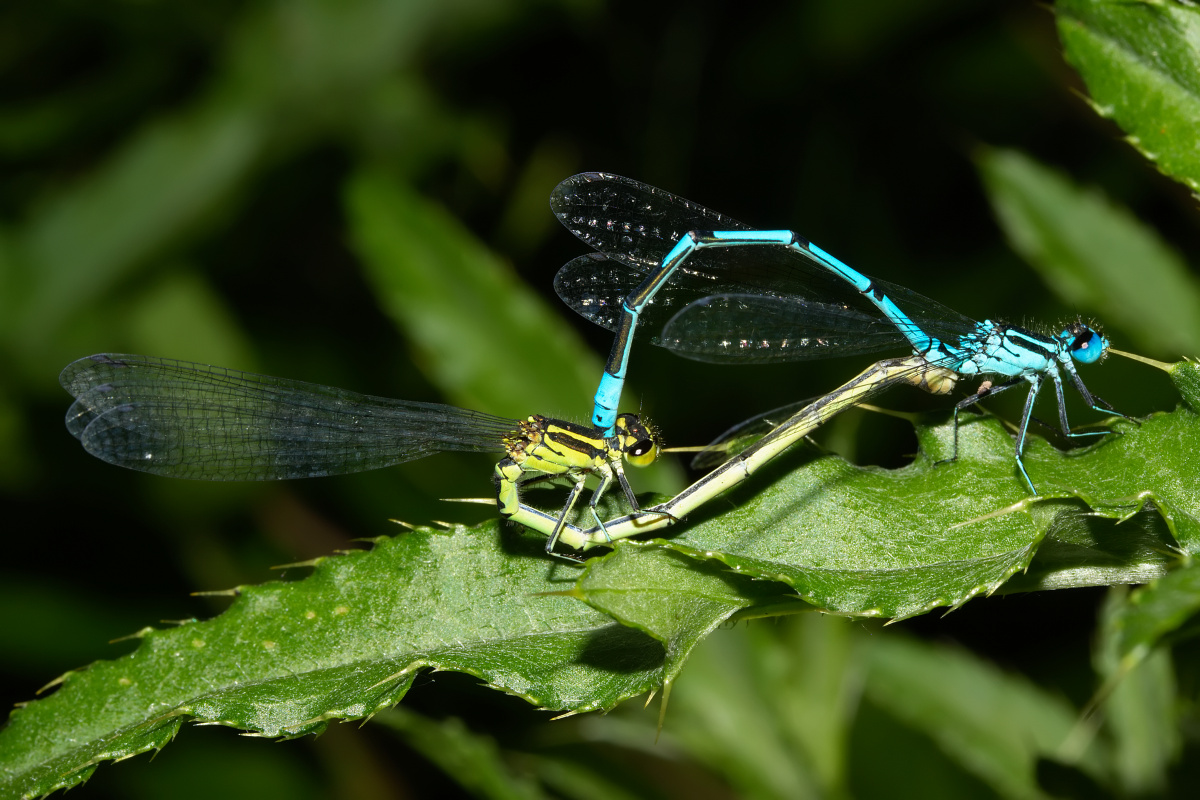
(706,286)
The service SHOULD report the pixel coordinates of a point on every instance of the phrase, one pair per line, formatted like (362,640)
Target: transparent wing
(636,225)
(595,286)
(630,221)
(749,328)
(190,420)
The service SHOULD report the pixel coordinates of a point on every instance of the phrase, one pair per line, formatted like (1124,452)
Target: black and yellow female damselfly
(187,420)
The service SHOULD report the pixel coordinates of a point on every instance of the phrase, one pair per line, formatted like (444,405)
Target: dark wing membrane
(190,420)
(748,328)
(637,225)
(628,220)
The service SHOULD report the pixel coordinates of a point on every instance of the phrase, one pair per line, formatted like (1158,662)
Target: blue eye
(1088,346)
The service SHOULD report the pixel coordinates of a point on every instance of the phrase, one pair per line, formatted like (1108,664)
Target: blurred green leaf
(1142,620)
(525,224)
(1139,695)
(471,760)
(64,626)
(1141,64)
(1094,253)
(154,190)
(47,121)
(773,709)
(15,457)
(770,708)
(588,778)
(994,724)
(286,658)
(180,315)
(292,73)
(247,771)
(403,108)
(479,333)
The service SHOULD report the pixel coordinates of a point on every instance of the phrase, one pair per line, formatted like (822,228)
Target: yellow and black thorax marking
(544,447)
(555,447)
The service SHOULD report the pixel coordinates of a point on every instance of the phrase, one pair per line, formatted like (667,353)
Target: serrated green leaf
(1083,549)
(1153,463)
(1186,377)
(1086,247)
(995,725)
(1141,65)
(875,542)
(897,543)
(343,643)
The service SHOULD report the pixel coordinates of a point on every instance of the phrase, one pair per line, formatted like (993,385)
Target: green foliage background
(354,193)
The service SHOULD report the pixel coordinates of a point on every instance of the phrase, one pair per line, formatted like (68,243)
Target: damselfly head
(1085,342)
(638,441)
